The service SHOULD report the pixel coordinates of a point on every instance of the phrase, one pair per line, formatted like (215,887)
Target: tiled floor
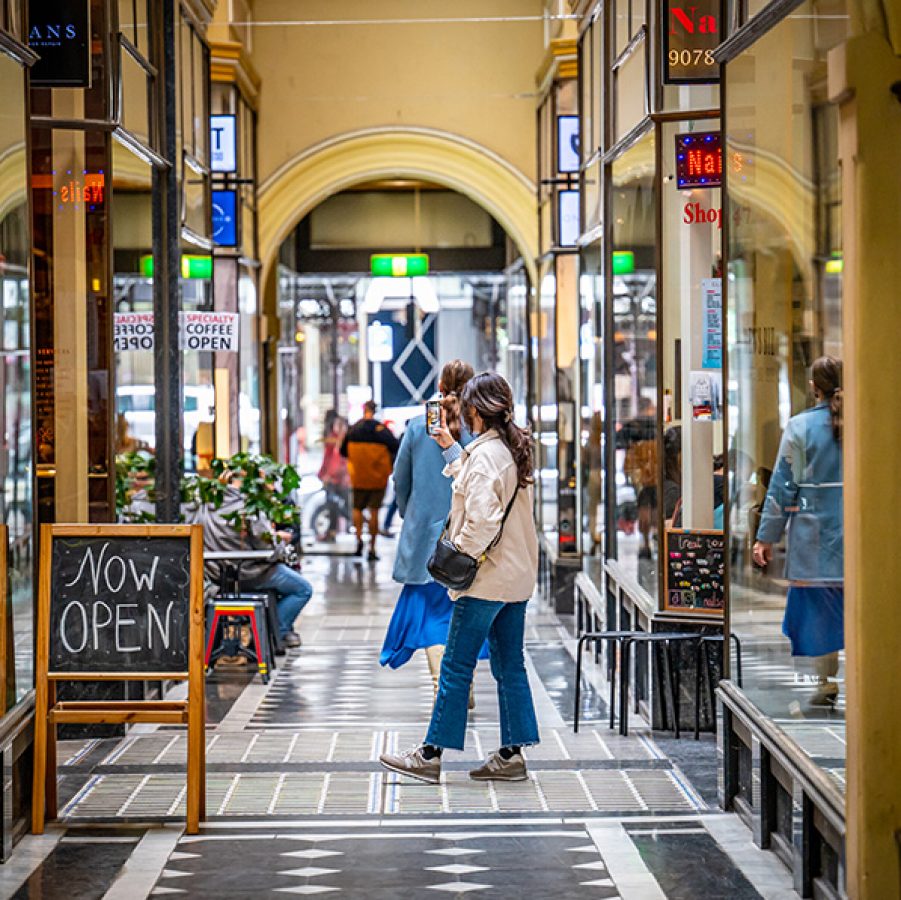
(297,803)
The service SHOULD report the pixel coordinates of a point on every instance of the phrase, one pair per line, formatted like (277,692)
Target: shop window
(691,314)
(135,104)
(517,356)
(592,409)
(784,314)
(544,331)
(630,91)
(633,319)
(16,469)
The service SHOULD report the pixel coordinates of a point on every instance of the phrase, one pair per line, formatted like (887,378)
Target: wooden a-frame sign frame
(49,713)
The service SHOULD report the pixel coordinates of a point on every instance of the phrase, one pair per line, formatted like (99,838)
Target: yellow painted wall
(473,80)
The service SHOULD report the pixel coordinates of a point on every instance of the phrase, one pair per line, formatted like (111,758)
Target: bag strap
(500,532)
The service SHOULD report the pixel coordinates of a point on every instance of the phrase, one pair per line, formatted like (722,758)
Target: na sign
(691,32)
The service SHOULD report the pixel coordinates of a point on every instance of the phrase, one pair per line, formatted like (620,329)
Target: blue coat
(423,499)
(805,495)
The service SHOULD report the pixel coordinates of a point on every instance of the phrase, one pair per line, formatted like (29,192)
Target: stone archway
(454,162)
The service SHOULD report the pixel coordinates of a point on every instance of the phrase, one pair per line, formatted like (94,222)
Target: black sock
(510,752)
(430,752)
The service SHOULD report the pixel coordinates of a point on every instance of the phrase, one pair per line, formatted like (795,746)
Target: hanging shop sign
(712,304)
(59,31)
(699,160)
(567,218)
(203,331)
(223,143)
(567,144)
(399,265)
(690,35)
(225,230)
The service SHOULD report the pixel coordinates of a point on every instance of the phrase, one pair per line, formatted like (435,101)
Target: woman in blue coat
(422,614)
(805,496)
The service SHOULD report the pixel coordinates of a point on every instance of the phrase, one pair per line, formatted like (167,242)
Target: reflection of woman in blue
(805,494)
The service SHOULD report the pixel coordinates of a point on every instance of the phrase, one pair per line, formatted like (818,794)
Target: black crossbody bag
(452,567)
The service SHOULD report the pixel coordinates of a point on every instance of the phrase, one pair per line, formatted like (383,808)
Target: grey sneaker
(496,768)
(414,764)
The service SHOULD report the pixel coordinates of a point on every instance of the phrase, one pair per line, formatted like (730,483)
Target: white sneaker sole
(427,779)
(524,777)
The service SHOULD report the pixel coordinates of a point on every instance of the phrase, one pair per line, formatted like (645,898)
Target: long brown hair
(490,396)
(454,377)
(826,374)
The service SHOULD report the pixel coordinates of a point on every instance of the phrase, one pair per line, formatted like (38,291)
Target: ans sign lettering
(691,34)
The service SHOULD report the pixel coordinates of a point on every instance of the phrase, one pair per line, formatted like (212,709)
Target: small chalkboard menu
(119,602)
(695,571)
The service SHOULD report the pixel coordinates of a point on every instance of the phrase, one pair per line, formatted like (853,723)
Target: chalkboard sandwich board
(119,602)
(694,571)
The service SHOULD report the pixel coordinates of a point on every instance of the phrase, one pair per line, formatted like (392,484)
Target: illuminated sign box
(567,218)
(691,32)
(699,160)
(223,143)
(195,267)
(567,144)
(225,231)
(399,265)
(623,262)
(59,31)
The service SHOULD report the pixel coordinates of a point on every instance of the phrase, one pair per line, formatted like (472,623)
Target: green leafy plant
(135,471)
(265,485)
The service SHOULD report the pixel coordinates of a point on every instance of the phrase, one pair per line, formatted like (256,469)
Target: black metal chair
(703,671)
(664,640)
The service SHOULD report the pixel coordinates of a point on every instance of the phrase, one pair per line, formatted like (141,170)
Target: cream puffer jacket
(484,480)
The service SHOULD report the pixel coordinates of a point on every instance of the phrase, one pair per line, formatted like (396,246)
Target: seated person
(292,590)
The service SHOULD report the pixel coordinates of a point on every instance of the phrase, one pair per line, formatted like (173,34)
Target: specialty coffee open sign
(119,605)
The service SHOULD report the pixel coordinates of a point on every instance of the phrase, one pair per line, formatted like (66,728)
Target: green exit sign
(191,266)
(399,265)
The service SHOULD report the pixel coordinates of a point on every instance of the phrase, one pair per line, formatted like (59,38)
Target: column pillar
(861,73)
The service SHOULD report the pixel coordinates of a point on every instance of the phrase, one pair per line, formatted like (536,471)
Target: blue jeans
(503,624)
(292,591)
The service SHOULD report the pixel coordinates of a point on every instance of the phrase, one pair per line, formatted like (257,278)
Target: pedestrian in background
(370,448)
(805,497)
(423,611)
(491,498)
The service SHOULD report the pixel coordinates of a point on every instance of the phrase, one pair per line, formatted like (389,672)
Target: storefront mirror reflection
(15,381)
(784,389)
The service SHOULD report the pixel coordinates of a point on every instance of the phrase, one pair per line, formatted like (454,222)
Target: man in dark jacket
(370,448)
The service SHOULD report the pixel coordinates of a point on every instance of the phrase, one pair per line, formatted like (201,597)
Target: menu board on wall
(691,32)
(694,571)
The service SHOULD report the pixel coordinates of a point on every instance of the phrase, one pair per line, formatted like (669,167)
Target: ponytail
(826,374)
(520,443)
(454,377)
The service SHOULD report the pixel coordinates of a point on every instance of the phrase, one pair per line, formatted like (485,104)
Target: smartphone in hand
(432,416)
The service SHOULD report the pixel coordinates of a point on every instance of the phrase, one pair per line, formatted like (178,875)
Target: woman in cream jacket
(493,473)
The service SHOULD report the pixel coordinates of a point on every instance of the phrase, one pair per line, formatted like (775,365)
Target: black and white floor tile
(297,803)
